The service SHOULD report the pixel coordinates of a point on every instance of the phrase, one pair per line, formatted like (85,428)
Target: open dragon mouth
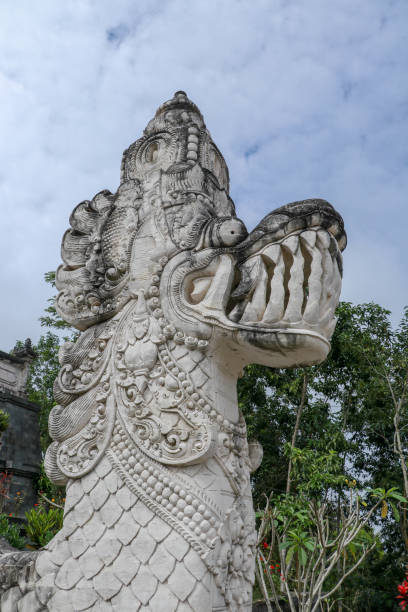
(279,287)
(275,291)
(291,284)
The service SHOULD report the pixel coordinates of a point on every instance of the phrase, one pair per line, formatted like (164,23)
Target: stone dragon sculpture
(173,298)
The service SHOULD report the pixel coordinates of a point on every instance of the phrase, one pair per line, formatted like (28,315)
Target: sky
(304,98)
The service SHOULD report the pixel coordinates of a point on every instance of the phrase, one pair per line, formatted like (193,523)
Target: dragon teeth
(256,307)
(298,282)
(218,293)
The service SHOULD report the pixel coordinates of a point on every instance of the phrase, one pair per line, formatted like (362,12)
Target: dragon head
(269,295)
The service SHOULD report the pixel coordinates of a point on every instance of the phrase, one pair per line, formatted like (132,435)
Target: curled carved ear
(81,438)
(96,252)
(51,467)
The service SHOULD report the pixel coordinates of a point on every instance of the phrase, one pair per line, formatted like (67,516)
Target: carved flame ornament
(173,298)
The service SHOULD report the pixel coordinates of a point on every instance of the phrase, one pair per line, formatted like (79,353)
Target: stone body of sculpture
(173,298)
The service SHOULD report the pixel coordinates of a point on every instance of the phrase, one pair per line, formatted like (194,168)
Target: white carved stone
(14,369)
(173,298)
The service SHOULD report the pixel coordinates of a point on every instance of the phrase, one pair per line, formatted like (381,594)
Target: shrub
(403,593)
(42,525)
(4,421)
(11,532)
(5,482)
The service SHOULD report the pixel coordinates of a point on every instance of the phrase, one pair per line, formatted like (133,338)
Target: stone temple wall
(20,453)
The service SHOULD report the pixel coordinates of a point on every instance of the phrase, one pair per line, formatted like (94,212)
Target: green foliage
(313,472)
(42,524)
(268,399)
(51,318)
(321,534)
(298,543)
(43,371)
(4,421)
(11,532)
(48,489)
(44,368)
(348,406)
(349,409)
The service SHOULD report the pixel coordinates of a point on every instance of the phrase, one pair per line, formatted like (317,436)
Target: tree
(317,550)
(40,381)
(347,406)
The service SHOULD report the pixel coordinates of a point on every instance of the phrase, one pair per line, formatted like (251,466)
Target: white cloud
(303,98)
